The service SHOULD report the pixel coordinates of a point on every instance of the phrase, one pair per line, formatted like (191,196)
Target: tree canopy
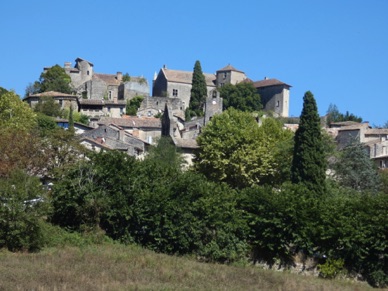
(355,169)
(14,113)
(242,96)
(53,79)
(198,91)
(333,115)
(309,158)
(236,150)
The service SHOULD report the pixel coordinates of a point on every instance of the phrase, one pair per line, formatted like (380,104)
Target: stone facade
(114,137)
(177,84)
(64,100)
(275,96)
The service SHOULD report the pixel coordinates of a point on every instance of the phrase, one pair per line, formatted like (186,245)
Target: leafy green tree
(23,206)
(48,106)
(133,105)
(233,148)
(242,96)
(334,115)
(309,161)
(355,169)
(3,91)
(54,79)
(14,113)
(198,91)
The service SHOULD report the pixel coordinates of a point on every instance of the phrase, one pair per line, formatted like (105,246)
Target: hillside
(118,267)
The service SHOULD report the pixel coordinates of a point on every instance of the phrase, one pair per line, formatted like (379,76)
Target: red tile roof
(107,78)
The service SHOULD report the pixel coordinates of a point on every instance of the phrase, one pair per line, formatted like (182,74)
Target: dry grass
(118,267)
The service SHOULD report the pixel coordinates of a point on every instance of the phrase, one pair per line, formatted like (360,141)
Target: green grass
(111,266)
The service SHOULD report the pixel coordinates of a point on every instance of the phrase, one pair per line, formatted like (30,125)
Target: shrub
(331,268)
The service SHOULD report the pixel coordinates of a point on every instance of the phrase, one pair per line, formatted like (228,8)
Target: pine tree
(309,163)
(198,91)
(354,168)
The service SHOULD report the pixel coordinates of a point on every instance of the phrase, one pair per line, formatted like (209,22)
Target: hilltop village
(103,99)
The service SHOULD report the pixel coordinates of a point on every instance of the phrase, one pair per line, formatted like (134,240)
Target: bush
(23,207)
(331,268)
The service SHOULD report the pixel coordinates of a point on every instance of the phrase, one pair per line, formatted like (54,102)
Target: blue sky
(337,49)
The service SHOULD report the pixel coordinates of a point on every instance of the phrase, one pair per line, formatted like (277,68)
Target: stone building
(275,96)
(63,99)
(375,140)
(177,84)
(91,85)
(113,137)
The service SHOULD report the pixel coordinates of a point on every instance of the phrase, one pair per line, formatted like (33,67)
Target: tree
(133,105)
(333,115)
(198,91)
(23,206)
(3,91)
(233,148)
(14,113)
(71,119)
(354,169)
(242,96)
(309,161)
(48,106)
(54,79)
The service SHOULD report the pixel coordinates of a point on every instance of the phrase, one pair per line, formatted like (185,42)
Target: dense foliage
(309,161)
(333,115)
(242,96)
(52,79)
(236,150)
(133,105)
(355,169)
(198,92)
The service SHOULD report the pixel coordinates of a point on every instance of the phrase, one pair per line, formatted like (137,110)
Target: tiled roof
(377,131)
(343,123)
(107,78)
(80,59)
(269,82)
(101,102)
(52,94)
(132,121)
(186,77)
(186,143)
(229,68)
(354,126)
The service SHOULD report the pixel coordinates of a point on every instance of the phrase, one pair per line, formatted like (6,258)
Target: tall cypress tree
(309,162)
(198,91)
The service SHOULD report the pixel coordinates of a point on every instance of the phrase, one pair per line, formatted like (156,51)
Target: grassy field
(118,267)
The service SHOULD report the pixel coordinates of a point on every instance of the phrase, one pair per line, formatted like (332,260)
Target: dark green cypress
(198,91)
(309,162)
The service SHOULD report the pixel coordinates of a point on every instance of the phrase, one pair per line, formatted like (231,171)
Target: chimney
(119,76)
(67,65)
(121,134)
(265,78)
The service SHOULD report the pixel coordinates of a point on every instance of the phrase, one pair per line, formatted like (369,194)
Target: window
(214,94)
(88,73)
(225,75)
(175,92)
(110,94)
(277,103)
(108,109)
